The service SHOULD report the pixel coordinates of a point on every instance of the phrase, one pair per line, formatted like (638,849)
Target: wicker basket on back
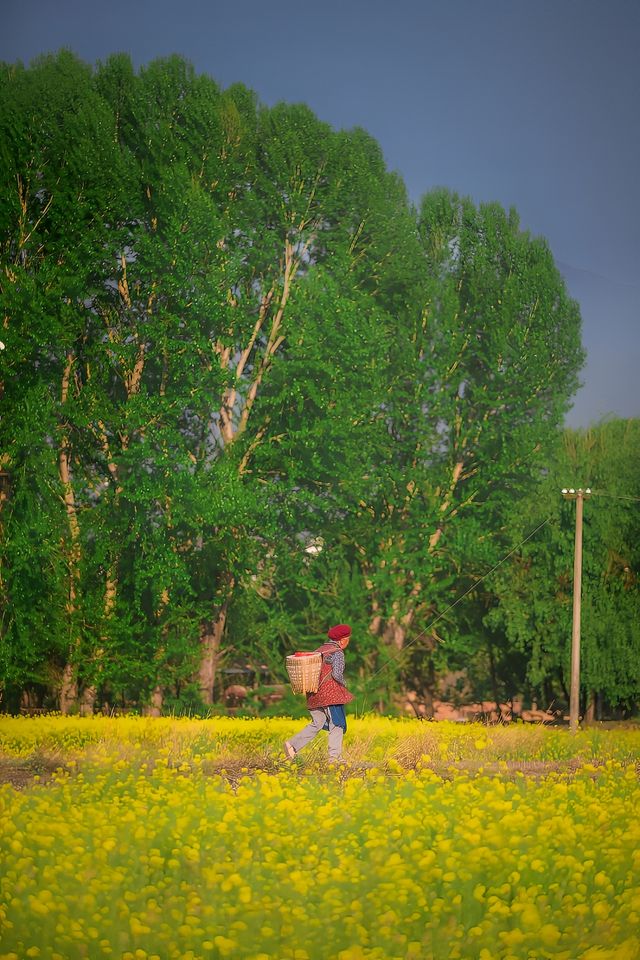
(304,671)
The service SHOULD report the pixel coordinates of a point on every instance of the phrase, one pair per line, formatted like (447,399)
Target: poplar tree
(482,379)
(63,198)
(230,274)
(228,337)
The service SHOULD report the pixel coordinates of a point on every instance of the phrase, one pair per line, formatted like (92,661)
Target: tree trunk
(68,689)
(429,710)
(90,693)
(563,687)
(590,712)
(393,630)
(154,708)
(394,633)
(88,701)
(494,679)
(69,686)
(428,677)
(210,646)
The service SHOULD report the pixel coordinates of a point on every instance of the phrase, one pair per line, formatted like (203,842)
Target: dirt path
(24,774)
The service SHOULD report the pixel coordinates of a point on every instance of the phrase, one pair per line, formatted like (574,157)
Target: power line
(598,276)
(461,597)
(614,496)
(433,622)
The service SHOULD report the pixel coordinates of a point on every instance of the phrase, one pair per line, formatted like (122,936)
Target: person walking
(326,706)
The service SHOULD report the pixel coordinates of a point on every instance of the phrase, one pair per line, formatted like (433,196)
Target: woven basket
(304,671)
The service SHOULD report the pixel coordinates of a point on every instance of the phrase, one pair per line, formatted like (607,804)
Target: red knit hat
(339,632)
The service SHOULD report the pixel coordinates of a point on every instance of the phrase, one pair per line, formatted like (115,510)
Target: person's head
(340,634)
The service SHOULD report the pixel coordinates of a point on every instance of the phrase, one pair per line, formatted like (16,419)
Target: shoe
(289,750)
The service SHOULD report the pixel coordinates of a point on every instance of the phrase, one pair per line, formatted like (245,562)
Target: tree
(228,336)
(237,271)
(62,200)
(481,379)
(532,604)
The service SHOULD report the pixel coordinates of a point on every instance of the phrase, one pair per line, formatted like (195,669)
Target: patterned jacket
(331,690)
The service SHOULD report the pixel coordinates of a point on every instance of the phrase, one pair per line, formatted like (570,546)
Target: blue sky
(529,102)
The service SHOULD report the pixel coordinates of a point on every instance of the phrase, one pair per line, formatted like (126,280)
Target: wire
(614,496)
(461,597)
(598,276)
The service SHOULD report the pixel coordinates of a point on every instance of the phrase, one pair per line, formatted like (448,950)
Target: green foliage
(533,601)
(230,338)
(478,381)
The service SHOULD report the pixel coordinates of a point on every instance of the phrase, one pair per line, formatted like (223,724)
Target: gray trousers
(318,719)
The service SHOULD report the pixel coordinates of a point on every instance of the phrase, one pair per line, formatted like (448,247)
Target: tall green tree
(62,204)
(231,287)
(482,378)
(229,336)
(532,600)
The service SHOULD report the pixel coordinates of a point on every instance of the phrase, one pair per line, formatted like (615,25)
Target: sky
(531,103)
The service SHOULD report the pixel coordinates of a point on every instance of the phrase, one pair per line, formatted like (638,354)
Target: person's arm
(337,666)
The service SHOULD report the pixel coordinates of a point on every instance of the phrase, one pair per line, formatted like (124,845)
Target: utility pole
(574,694)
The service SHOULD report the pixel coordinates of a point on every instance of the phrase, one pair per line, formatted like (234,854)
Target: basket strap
(324,679)
(328,675)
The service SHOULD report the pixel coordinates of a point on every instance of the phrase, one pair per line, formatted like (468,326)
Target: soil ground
(23,774)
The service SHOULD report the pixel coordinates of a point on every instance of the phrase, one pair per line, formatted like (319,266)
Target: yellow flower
(225,946)
(549,934)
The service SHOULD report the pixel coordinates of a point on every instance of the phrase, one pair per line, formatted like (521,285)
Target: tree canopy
(230,337)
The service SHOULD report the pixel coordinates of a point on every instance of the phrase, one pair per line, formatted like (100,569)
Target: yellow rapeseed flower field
(185,839)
